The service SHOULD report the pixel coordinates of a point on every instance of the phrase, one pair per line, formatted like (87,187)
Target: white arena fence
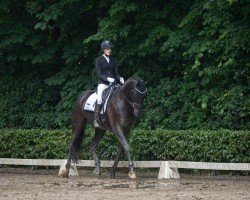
(168,169)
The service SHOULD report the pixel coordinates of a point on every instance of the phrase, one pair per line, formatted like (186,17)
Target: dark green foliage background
(194,54)
(191,145)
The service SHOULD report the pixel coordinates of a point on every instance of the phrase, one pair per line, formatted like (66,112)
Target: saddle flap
(91,101)
(105,98)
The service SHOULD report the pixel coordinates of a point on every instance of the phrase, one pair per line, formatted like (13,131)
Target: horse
(124,106)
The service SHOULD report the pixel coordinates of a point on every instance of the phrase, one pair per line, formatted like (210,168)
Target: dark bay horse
(124,106)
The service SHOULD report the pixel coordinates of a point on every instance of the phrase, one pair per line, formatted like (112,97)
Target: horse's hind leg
(99,133)
(75,145)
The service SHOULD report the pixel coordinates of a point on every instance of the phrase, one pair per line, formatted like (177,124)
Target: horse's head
(138,94)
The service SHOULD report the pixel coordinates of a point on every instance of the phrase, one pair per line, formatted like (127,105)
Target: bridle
(140,91)
(133,104)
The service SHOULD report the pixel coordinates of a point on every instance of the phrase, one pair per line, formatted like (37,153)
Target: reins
(127,99)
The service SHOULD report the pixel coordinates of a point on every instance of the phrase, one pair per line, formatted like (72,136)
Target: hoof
(132,175)
(64,173)
(97,171)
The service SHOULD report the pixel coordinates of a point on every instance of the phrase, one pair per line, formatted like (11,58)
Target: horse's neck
(125,97)
(128,86)
(126,89)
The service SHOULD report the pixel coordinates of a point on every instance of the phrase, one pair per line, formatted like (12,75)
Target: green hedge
(191,145)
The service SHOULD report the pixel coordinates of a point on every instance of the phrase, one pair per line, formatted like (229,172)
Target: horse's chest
(126,121)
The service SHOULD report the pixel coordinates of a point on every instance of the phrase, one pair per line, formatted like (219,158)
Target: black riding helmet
(106,44)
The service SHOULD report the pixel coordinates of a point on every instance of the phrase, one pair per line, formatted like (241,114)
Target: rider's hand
(122,80)
(111,80)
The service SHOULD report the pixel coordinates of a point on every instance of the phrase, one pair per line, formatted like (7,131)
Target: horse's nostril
(136,113)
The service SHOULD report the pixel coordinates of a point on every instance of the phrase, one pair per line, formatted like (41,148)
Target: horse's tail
(78,123)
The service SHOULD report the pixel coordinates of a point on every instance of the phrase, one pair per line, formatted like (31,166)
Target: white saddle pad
(91,101)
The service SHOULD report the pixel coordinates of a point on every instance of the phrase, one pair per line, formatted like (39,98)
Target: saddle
(107,95)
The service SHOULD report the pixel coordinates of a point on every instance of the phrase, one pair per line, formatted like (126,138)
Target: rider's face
(107,51)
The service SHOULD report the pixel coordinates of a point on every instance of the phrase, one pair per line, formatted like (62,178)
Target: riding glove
(122,80)
(111,80)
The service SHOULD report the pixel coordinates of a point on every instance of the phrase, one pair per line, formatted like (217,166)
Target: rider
(107,72)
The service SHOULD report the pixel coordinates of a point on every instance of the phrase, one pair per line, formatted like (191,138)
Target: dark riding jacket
(105,69)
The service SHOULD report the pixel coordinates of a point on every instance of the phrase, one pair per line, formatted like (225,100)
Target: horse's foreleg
(95,141)
(117,159)
(122,139)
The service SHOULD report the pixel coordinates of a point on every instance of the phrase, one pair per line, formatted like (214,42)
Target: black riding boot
(96,115)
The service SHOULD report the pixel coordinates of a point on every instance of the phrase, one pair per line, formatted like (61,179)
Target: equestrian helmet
(106,44)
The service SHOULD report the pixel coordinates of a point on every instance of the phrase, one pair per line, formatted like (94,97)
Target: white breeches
(100,89)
